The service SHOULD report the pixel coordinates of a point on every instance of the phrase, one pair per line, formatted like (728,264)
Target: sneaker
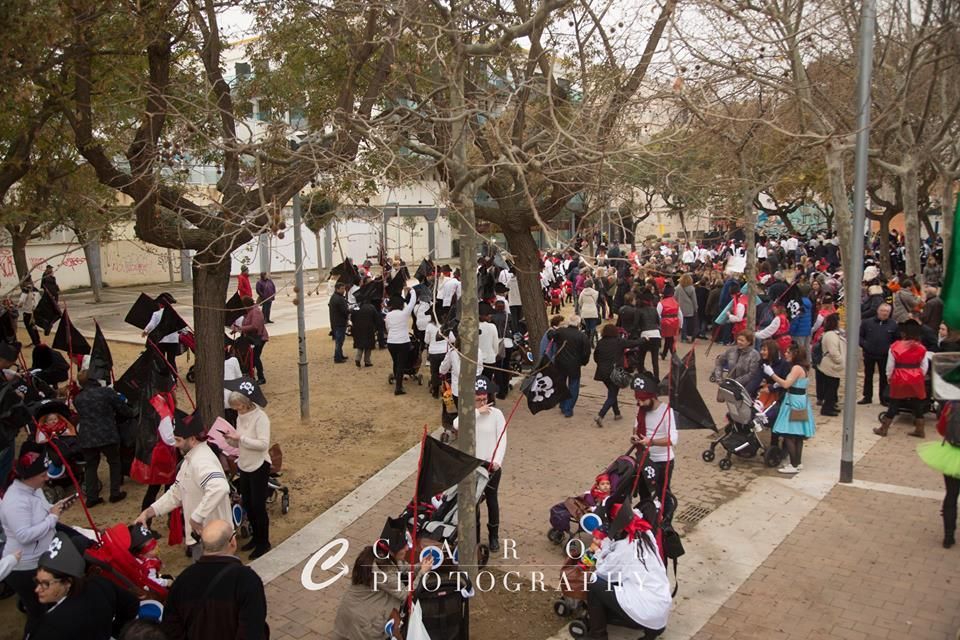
(800,467)
(788,468)
(617,416)
(598,421)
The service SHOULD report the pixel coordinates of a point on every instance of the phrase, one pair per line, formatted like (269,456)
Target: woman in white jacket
(631,587)
(253,441)
(589,310)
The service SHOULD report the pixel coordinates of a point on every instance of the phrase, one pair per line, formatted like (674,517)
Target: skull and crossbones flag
(545,388)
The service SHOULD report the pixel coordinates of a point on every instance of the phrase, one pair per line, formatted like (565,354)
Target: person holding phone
(29,523)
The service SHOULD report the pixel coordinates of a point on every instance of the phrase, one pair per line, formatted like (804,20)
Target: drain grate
(693,514)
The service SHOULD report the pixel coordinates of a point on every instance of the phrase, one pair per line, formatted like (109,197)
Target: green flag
(951,282)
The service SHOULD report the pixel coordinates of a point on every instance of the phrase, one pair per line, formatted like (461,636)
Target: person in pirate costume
(655,429)
(79,606)
(907,365)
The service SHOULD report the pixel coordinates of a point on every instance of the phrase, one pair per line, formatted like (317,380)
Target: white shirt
(513,295)
(421,311)
(451,365)
(770,330)
(254,430)
(489,342)
(657,427)
(231,371)
(638,578)
(397,322)
(489,428)
(761,251)
(170,338)
(449,288)
(688,257)
(435,346)
(27,523)
(790,244)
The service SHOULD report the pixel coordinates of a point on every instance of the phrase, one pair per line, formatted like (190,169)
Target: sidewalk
(865,563)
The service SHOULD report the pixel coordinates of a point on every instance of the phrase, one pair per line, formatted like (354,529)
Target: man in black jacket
(217,598)
(573,352)
(627,317)
(876,336)
(99,408)
(339,314)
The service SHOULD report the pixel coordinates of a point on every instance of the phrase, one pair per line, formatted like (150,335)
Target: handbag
(621,376)
(798,415)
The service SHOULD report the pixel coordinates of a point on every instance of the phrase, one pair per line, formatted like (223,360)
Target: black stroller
(746,420)
(411,367)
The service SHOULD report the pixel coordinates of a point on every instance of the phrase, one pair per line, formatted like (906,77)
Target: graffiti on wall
(8,268)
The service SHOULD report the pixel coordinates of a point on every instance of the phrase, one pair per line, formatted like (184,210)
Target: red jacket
(669,317)
(243,286)
(908,379)
(782,336)
(739,298)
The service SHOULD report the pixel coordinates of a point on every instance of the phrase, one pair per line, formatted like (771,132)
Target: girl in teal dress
(793,432)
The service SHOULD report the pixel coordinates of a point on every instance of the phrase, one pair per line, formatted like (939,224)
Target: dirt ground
(357,426)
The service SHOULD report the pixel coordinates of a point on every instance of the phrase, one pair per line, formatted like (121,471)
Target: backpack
(949,423)
(816,353)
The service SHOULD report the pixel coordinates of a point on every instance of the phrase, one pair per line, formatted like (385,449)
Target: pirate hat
(645,386)
(248,387)
(63,557)
(485,385)
(188,425)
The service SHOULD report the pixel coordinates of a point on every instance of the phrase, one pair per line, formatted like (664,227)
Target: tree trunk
(833,158)
(91,251)
(911,217)
(18,242)
(320,260)
(524,250)
(211,276)
(948,207)
(885,245)
(750,238)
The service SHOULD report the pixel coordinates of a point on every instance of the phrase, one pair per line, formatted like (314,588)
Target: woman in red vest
(670,321)
(907,364)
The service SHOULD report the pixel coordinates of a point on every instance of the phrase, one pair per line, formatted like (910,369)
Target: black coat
(99,409)
(627,319)
(339,311)
(870,305)
(365,322)
(608,353)
(648,319)
(876,336)
(573,350)
(89,614)
(235,607)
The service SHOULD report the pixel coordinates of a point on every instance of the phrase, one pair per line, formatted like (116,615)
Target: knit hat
(188,425)
(30,465)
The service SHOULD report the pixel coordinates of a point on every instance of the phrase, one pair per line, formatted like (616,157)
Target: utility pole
(853,272)
(301,294)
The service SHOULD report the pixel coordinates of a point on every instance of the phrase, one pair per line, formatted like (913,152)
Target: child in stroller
(568,512)
(746,420)
(120,557)
(53,429)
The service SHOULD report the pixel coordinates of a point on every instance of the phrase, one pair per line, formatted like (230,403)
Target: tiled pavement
(860,563)
(863,564)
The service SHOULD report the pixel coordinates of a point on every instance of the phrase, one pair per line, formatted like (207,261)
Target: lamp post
(304,380)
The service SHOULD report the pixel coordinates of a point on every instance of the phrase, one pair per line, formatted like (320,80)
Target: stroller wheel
(560,608)
(420,379)
(713,378)
(390,379)
(577,629)
(708,455)
(773,457)
(725,464)
(285,503)
(445,437)
(245,530)
(191,375)
(555,536)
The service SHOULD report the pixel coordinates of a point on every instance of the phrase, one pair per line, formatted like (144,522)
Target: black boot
(494,531)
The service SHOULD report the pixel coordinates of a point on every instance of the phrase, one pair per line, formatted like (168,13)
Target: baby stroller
(275,487)
(52,430)
(412,364)
(565,516)
(112,560)
(746,420)
(521,357)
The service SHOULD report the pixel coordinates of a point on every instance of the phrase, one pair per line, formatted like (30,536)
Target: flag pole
(853,271)
(413,533)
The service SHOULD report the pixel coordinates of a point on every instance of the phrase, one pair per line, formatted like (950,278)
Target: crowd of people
(628,308)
